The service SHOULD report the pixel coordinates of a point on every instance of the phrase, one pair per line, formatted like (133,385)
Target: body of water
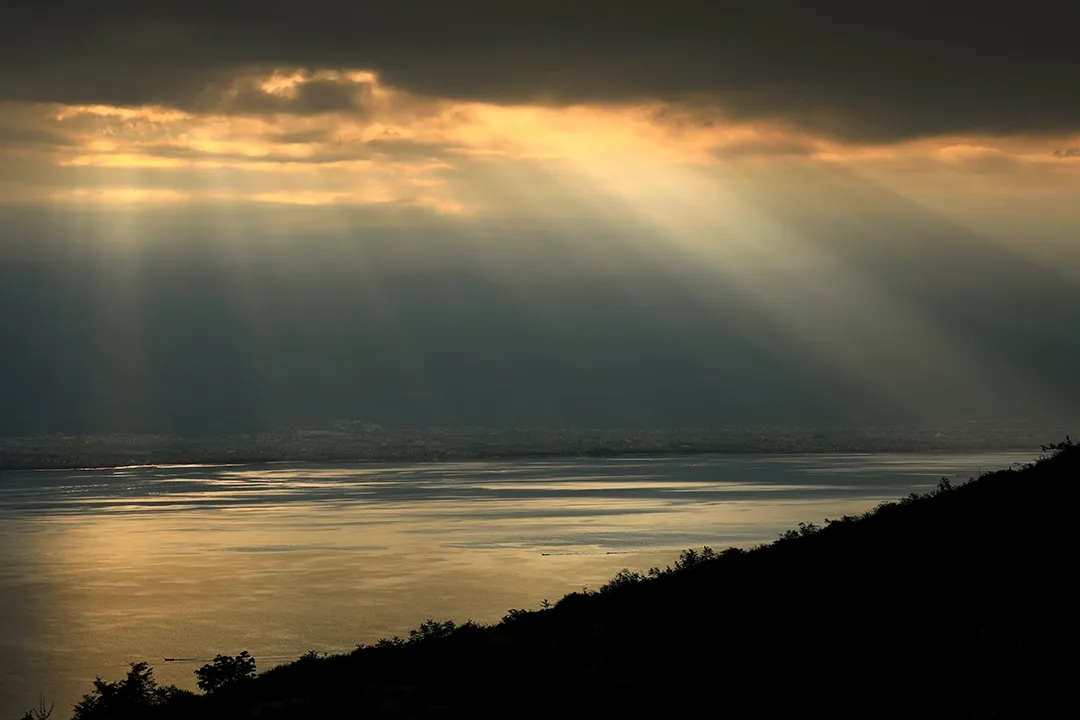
(99,568)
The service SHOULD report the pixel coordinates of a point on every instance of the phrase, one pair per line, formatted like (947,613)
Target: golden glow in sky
(721,194)
(341,137)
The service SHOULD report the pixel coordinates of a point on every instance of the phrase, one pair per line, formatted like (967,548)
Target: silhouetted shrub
(805,529)
(623,578)
(127,698)
(41,712)
(690,558)
(389,642)
(431,629)
(515,615)
(1056,448)
(225,671)
(912,497)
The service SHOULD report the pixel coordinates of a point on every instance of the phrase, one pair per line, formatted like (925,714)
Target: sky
(226,217)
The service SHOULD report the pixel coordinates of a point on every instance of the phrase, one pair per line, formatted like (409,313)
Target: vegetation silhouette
(41,712)
(954,604)
(133,696)
(225,671)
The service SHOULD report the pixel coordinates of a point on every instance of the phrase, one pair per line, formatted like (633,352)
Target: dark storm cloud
(303,137)
(312,97)
(20,128)
(178,152)
(329,151)
(858,70)
(20,136)
(765,148)
(398,149)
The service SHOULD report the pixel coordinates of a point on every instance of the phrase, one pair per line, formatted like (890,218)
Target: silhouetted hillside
(952,604)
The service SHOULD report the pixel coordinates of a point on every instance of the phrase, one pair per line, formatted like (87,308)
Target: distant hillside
(955,604)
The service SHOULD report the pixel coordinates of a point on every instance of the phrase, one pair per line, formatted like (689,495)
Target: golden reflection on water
(99,569)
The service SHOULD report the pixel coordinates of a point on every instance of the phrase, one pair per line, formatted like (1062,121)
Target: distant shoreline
(364,443)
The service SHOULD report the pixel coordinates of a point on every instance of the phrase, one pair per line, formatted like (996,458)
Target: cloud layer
(856,70)
(344,136)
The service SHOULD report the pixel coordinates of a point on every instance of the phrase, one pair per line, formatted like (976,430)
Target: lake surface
(99,568)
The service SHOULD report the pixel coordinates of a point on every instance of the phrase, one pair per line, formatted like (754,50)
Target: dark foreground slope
(956,604)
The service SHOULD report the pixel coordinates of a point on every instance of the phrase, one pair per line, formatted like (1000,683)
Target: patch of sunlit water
(99,568)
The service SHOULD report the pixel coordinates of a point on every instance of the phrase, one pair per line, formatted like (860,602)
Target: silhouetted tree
(430,629)
(514,614)
(621,579)
(127,698)
(225,671)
